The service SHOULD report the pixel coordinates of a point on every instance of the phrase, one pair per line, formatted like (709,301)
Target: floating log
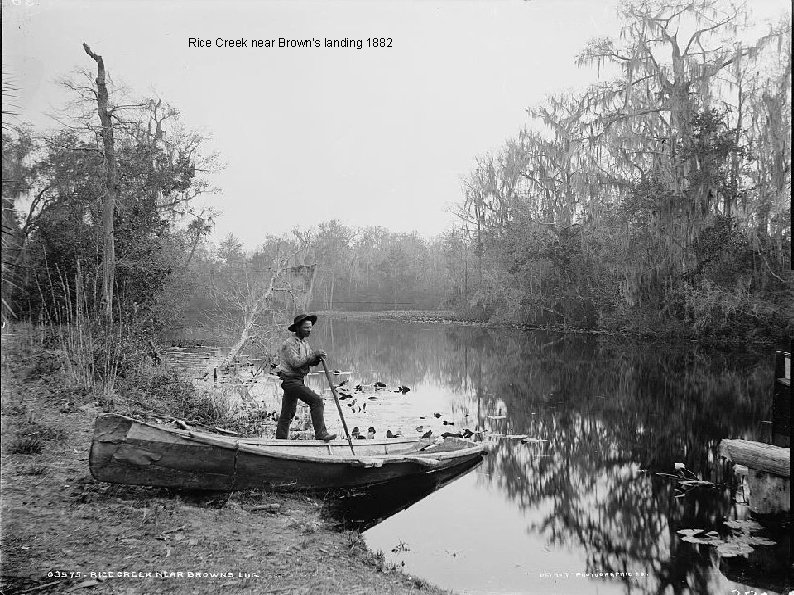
(759,456)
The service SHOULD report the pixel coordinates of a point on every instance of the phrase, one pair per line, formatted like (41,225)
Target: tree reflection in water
(611,413)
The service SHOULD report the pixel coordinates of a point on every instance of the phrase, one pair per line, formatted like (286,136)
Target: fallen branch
(39,588)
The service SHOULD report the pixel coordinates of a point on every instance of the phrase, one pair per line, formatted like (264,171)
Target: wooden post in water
(781,400)
(769,465)
(768,474)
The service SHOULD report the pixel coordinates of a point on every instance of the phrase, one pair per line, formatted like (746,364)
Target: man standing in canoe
(295,359)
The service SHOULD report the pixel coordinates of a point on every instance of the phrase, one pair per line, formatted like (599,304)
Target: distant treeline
(330,267)
(375,269)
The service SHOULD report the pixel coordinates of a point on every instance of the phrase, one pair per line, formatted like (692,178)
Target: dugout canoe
(129,451)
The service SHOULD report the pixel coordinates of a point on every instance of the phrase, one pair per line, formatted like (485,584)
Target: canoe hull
(130,452)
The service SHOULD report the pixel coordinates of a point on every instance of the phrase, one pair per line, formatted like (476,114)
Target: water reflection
(608,415)
(363,509)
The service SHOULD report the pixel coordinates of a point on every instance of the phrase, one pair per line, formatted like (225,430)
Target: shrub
(13,409)
(34,470)
(31,437)
(26,445)
(167,394)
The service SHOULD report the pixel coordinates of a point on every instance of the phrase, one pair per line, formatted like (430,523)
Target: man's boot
(318,421)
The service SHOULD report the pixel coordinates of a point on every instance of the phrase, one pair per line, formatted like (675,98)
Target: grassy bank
(59,525)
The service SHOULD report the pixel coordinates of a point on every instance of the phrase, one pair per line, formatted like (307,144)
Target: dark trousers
(294,389)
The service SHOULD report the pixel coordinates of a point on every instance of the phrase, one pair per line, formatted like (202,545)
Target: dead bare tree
(247,299)
(111,182)
(255,294)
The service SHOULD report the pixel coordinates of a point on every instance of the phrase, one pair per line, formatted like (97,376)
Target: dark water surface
(582,496)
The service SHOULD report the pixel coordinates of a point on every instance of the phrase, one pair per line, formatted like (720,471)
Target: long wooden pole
(338,406)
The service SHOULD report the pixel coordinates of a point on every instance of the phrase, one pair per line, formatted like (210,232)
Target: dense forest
(656,201)
(659,198)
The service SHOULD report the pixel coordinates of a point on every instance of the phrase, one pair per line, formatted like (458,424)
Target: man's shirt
(294,358)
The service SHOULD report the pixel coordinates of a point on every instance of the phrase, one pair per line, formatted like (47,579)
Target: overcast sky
(377,136)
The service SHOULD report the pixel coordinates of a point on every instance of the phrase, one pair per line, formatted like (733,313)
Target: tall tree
(651,191)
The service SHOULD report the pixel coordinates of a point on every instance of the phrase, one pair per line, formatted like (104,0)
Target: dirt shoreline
(59,525)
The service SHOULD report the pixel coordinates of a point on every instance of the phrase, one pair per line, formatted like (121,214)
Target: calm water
(584,497)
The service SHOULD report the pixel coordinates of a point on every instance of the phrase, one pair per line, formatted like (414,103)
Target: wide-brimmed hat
(299,321)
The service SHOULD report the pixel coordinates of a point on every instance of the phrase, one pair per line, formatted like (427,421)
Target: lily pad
(754,540)
(734,548)
(738,544)
(702,540)
(746,525)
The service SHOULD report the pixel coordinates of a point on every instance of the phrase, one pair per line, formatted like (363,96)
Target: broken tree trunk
(307,295)
(111,183)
